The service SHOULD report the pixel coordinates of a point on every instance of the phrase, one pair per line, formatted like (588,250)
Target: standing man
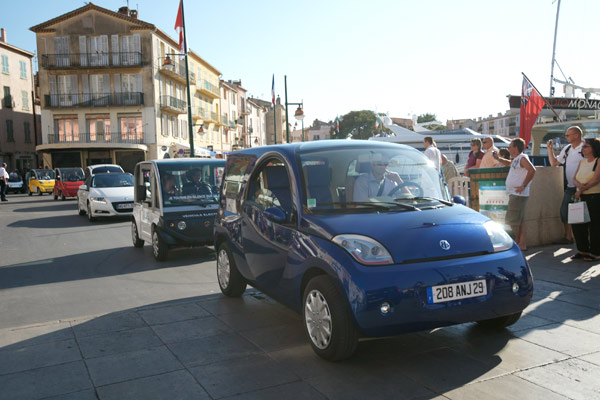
(517,186)
(432,152)
(3,181)
(488,160)
(570,156)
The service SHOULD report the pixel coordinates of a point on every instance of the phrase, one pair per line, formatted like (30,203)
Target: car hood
(114,194)
(412,235)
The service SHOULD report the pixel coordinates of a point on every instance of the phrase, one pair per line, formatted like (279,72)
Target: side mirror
(276,215)
(83,187)
(459,200)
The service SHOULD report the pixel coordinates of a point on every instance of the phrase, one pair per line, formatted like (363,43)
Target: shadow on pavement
(62,206)
(96,264)
(65,221)
(217,346)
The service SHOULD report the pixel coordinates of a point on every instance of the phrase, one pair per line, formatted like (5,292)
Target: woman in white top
(517,186)
(587,181)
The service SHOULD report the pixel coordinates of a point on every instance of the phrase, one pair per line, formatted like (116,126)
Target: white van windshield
(372,178)
(190,183)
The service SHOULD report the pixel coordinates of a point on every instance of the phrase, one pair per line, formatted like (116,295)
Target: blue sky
(457,59)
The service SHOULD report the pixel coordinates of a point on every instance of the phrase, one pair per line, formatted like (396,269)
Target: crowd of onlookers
(582,183)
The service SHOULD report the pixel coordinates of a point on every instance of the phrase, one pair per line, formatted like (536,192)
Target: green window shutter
(27,132)
(4,64)
(23,69)
(9,131)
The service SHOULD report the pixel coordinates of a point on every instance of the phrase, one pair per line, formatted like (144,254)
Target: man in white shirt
(3,181)
(570,156)
(379,182)
(488,160)
(432,152)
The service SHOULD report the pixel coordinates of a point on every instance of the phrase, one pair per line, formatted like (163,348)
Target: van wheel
(79,210)
(231,282)
(159,247)
(328,323)
(500,322)
(137,242)
(89,213)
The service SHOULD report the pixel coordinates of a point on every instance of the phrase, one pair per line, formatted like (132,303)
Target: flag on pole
(532,103)
(273,90)
(179,26)
(337,125)
(376,122)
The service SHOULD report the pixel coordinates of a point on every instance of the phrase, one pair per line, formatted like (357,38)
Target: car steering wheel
(411,186)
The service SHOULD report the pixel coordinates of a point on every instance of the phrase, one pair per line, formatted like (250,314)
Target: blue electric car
(362,239)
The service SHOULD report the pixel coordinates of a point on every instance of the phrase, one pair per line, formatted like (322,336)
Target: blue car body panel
(277,258)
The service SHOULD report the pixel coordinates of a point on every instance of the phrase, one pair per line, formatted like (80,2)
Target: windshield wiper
(448,203)
(379,204)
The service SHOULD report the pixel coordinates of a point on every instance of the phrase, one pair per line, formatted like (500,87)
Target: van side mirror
(276,215)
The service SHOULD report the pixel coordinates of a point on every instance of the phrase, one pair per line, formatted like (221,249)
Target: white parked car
(106,195)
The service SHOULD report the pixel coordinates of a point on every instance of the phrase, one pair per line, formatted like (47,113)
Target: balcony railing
(173,70)
(131,137)
(200,112)
(208,88)
(173,104)
(224,120)
(94,100)
(92,60)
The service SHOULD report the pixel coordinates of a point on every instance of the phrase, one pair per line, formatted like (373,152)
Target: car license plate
(124,206)
(456,291)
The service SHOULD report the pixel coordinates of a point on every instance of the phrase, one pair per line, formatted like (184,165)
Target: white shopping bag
(578,213)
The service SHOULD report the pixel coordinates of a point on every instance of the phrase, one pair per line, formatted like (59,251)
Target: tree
(426,118)
(359,124)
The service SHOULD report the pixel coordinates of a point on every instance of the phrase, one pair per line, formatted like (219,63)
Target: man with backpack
(570,156)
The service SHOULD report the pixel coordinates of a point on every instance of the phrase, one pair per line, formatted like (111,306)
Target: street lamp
(299,114)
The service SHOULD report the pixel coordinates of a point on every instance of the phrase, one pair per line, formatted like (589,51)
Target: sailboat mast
(554,52)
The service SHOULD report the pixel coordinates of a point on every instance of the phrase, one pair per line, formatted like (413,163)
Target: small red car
(67,182)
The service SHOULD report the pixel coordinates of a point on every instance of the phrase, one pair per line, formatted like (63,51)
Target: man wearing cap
(3,181)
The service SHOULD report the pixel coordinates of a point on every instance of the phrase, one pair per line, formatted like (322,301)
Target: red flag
(179,26)
(532,103)
(273,90)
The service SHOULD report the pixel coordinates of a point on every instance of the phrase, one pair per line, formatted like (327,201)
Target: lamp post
(299,114)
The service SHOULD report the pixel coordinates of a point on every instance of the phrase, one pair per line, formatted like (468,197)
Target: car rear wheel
(159,247)
(89,213)
(55,195)
(231,282)
(500,322)
(328,323)
(137,242)
(29,191)
(62,196)
(39,191)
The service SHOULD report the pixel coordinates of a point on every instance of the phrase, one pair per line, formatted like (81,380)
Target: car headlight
(498,236)
(363,249)
(101,200)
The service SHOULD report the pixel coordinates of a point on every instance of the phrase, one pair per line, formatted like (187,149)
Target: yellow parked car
(40,181)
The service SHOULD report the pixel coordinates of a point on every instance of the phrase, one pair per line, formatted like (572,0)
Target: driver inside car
(378,182)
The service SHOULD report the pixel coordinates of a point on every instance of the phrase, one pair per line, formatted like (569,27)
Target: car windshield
(106,168)
(12,177)
(111,180)
(44,174)
(190,183)
(350,180)
(71,174)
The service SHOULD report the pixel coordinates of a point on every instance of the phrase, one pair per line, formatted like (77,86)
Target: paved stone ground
(212,347)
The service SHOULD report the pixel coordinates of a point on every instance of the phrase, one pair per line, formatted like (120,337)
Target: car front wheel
(79,210)
(137,242)
(231,282)
(159,247)
(29,191)
(55,195)
(328,323)
(89,213)
(500,322)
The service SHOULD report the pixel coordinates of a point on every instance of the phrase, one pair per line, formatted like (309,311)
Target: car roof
(304,147)
(171,161)
(92,167)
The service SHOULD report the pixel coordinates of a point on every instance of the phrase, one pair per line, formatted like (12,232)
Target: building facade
(18,114)
(114,91)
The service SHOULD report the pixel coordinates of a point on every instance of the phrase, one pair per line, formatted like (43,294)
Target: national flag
(377,123)
(179,26)
(273,90)
(337,125)
(532,103)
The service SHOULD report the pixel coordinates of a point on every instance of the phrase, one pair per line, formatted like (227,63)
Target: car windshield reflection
(112,180)
(44,174)
(356,180)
